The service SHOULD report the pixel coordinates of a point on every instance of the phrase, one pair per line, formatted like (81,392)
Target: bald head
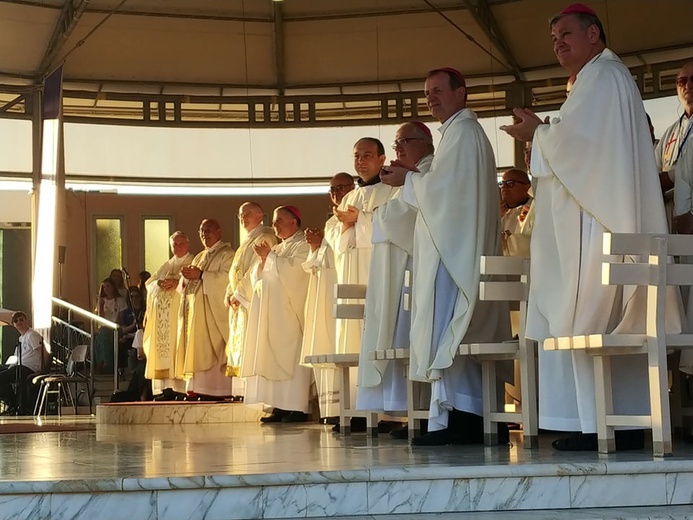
(412,143)
(341,184)
(250,214)
(514,188)
(210,232)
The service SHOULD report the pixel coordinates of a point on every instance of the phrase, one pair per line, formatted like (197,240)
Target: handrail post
(116,381)
(91,360)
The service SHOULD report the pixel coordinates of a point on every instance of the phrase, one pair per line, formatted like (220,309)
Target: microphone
(125,271)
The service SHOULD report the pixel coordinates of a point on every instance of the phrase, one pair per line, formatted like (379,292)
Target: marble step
(610,513)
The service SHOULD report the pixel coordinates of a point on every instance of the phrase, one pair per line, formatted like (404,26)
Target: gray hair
(178,234)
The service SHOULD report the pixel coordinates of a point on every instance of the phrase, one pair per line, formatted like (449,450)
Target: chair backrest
(77,356)
(649,262)
(351,310)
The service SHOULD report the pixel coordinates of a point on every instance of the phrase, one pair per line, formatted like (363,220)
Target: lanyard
(685,137)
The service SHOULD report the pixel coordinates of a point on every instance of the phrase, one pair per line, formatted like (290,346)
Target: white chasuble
(595,172)
(382,384)
(319,334)
(204,326)
(160,340)
(353,253)
(457,223)
(271,357)
(240,286)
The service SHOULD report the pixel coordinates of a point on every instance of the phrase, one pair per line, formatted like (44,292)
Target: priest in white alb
(239,290)
(319,335)
(457,223)
(382,384)
(271,361)
(203,328)
(160,341)
(352,240)
(595,173)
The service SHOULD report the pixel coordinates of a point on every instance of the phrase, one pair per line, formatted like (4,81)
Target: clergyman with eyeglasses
(382,385)
(515,206)
(319,330)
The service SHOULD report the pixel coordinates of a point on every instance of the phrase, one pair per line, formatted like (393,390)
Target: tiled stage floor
(248,470)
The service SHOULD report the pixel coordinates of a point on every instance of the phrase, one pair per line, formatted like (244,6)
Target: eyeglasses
(683,81)
(404,140)
(511,183)
(340,188)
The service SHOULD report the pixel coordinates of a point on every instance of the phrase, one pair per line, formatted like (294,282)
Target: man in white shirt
(28,358)
(675,144)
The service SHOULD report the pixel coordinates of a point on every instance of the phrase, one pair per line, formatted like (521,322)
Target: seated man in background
(30,357)
(515,204)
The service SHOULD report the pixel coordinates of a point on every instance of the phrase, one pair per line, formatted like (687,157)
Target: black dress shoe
(625,440)
(388,426)
(576,442)
(630,439)
(356,425)
(276,417)
(400,433)
(210,398)
(439,438)
(294,417)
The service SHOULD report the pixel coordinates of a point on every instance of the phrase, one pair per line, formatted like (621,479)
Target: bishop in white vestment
(271,360)
(457,222)
(595,172)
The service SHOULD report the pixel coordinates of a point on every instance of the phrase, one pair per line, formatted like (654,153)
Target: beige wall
(186,212)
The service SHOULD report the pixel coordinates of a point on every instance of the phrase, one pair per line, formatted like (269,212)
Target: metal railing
(71,332)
